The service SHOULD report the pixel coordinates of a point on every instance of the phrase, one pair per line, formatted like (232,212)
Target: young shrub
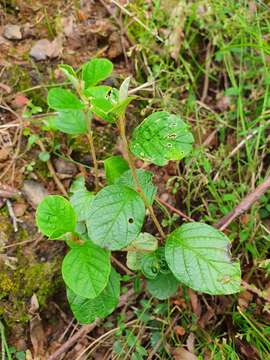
(95,223)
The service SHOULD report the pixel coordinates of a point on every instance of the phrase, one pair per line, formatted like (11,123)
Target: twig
(240,145)
(127,12)
(8,192)
(52,171)
(85,329)
(90,139)
(158,344)
(122,130)
(207,68)
(244,205)
(255,290)
(173,209)
(121,266)
(12,215)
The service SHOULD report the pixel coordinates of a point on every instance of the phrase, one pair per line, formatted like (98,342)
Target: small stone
(40,50)
(12,32)
(19,209)
(34,192)
(65,167)
(4,153)
(47,49)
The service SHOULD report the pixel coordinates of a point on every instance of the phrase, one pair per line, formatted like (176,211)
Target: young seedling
(94,224)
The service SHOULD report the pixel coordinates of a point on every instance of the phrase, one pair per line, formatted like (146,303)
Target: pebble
(12,32)
(65,167)
(40,50)
(34,192)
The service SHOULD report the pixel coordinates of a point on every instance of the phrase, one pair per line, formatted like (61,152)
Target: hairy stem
(122,130)
(89,136)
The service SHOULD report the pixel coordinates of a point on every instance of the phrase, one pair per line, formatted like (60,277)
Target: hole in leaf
(130,220)
(169,145)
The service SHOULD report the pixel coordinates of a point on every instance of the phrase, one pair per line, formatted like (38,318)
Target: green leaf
(61,99)
(88,310)
(44,156)
(144,243)
(101,108)
(120,108)
(161,137)
(134,260)
(81,202)
(86,270)
(96,70)
(150,265)
(114,167)
(198,256)
(97,92)
(145,180)
(163,286)
(71,122)
(116,217)
(70,74)
(55,216)
(78,184)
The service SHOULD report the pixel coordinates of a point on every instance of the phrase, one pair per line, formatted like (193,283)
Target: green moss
(17,287)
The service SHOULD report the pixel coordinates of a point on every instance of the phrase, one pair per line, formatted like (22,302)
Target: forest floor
(209,62)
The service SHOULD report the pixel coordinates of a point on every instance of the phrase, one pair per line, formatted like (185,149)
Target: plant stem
(89,136)
(122,130)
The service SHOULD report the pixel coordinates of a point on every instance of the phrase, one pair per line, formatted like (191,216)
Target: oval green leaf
(198,256)
(116,217)
(163,286)
(96,70)
(143,244)
(81,201)
(88,310)
(55,216)
(161,137)
(145,180)
(71,122)
(114,166)
(86,270)
(61,99)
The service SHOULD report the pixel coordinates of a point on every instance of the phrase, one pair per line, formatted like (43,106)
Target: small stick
(244,205)
(52,171)
(12,215)
(85,329)
(173,209)
(158,344)
(121,266)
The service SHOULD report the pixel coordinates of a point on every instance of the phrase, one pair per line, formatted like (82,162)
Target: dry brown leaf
(183,354)
(38,338)
(180,330)
(195,303)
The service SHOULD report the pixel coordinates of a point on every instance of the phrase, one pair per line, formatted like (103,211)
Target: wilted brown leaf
(183,354)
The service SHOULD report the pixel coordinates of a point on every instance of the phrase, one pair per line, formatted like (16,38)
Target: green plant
(94,224)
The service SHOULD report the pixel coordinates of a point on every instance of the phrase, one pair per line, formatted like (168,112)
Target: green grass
(237,34)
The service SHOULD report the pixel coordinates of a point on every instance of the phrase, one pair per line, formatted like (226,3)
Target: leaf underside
(86,270)
(163,286)
(198,256)
(115,217)
(88,310)
(71,122)
(55,216)
(145,180)
(161,137)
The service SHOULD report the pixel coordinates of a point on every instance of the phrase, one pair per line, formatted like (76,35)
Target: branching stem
(89,136)
(122,130)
